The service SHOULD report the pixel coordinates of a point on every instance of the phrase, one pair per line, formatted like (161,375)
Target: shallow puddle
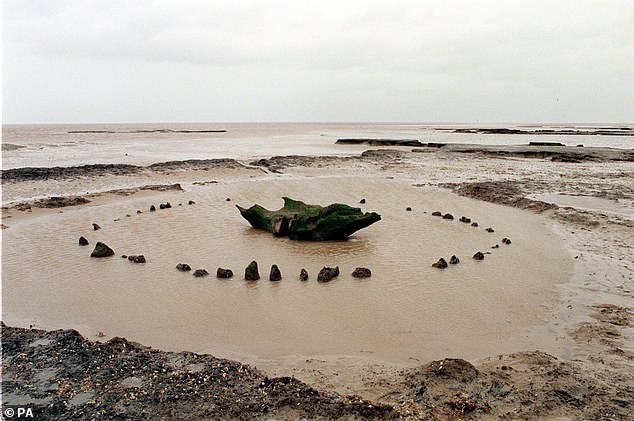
(407,309)
(624,207)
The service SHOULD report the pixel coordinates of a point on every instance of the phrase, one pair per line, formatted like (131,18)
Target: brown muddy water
(406,310)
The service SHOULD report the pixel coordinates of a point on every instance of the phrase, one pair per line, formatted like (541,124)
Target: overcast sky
(369,61)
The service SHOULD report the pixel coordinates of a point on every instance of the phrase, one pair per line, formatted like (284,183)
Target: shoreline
(591,311)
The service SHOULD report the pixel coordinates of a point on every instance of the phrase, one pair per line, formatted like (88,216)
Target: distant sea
(143,144)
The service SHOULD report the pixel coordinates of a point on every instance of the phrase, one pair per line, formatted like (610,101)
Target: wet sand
(350,336)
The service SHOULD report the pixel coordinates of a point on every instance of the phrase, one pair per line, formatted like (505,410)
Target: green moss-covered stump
(300,221)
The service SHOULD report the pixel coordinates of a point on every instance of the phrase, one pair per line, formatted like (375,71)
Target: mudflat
(533,330)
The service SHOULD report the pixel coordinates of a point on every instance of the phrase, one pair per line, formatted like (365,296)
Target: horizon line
(425,123)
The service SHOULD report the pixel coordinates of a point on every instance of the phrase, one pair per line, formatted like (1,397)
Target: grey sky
(400,61)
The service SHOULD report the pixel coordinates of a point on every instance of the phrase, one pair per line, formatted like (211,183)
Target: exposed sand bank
(592,341)
(123,379)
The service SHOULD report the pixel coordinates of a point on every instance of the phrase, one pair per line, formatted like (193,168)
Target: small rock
(440,264)
(124,256)
(137,259)
(465,219)
(436,213)
(327,274)
(251,272)
(495,246)
(479,256)
(303,275)
(447,216)
(506,240)
(198,273)
(96,227)
(408,209)
(191,202)
(83,241)
(474,224)
(228,199)
(362,201)
(101,250)
(183,267)
(489,229)
(454,260)
(361,272)
(152,208)
(275,274)
(224,273)
(138,211)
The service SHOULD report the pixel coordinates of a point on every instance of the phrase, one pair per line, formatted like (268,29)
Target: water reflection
(354,246)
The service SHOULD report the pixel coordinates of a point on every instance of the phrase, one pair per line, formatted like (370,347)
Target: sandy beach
(542,327)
